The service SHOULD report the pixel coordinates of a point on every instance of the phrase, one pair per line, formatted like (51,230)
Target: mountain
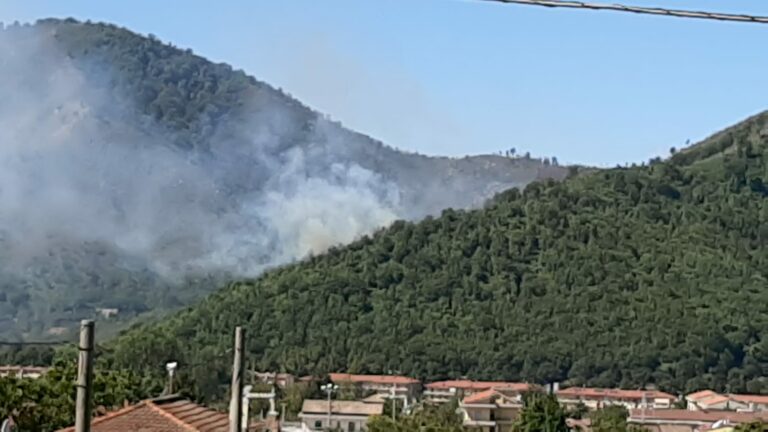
(645,275)
(137,175)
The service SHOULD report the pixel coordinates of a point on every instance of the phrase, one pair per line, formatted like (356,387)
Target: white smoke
(76,167)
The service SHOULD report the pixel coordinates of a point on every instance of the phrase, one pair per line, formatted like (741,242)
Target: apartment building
(344,416)
(402,387)
(490,411)
(705,400)
(597,398)
(444,391)
(681,420)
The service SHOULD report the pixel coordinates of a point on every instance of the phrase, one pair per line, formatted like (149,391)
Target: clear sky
(462,77)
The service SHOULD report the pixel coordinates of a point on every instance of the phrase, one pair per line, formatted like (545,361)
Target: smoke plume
(78,166)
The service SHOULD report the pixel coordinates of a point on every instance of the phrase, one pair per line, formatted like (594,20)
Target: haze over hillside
(135,175)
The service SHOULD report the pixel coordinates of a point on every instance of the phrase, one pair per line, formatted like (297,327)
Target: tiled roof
(483,396)
(377,379)
(171,414)
(758,399)
(713,400)
(319,406)
(699,395)
(487,396)
(478,385)
(681,415)
(599,393)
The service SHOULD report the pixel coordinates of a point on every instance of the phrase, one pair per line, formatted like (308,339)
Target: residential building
(681,420)
(281,380)
(444,391)
(596,398)
(166,414)
(750,402)
(402,387)
(346,416)
(22,371)
(709,400)
(490,411)
(706,400)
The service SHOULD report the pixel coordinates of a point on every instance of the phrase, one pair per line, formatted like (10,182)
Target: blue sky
(462,77)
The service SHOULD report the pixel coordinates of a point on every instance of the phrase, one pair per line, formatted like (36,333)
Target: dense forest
(131,130)
(645,275)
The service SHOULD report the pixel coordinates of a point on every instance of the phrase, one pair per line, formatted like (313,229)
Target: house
(749,402)
(22,371)
(683,420)
(444,391)
(165,414)
(596,398)
(281,380)
(706,400)
(490,411)
(346,416)
(398,386)
(709,400)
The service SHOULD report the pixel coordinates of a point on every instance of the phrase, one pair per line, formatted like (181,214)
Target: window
(318,424)
(351,427)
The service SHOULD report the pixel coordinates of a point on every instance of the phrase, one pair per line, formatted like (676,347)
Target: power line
(679,13)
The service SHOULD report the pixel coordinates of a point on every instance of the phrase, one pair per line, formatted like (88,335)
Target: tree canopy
(652,274)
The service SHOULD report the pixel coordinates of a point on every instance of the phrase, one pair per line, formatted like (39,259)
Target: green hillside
(654,274)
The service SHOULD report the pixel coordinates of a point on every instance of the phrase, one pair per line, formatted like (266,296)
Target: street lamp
(329,389)
(171,368)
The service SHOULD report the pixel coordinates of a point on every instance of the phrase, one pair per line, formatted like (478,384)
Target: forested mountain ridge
(134,174)
(654,274)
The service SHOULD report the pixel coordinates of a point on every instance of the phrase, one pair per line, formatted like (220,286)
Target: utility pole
(236,391)
(84,377)
(394,403)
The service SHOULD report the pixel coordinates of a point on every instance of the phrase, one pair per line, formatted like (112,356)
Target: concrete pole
(235,400)
(84,377)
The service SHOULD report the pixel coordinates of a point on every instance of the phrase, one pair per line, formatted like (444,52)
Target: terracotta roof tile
(599,393)
(488,396)
(713,400)
(161,415)
(479,385)
(758,399)
(699,395)
(377,379)
(638,416)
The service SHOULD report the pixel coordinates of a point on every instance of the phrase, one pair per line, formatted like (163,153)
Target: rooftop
(700,395)
(478,385)
(377,379)
(758,399)
(168,414)
(681,415)
(319,406)
(600,393)
(488,396)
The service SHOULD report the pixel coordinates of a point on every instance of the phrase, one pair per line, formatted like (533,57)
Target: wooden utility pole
(84,377)
(235,400)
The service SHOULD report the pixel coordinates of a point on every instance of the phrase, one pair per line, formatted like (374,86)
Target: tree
(755,426)
(610,419)
(541,413)
(425,418)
